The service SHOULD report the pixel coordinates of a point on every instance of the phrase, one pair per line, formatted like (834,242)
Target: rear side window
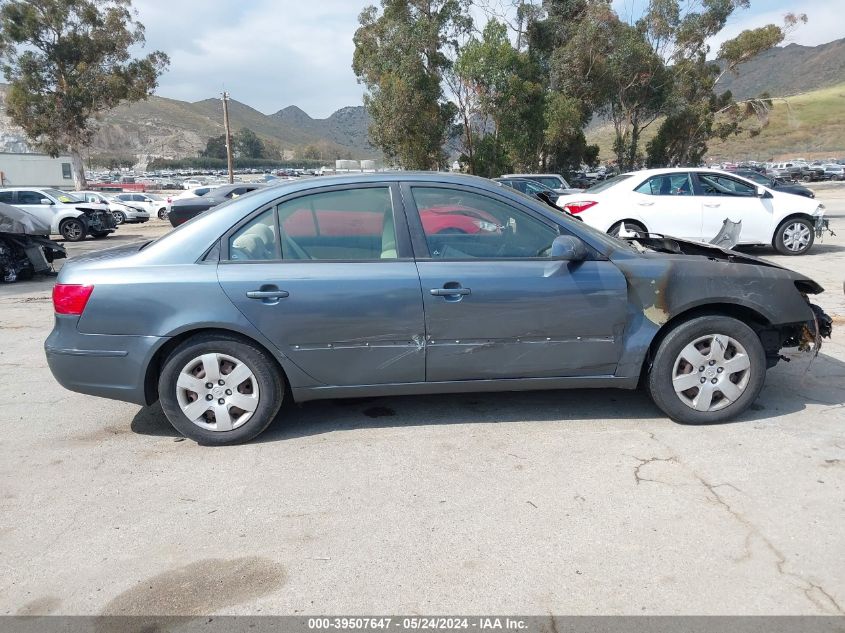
(350,225)
(6,197)
(667,185)
(256,241)
(551,183)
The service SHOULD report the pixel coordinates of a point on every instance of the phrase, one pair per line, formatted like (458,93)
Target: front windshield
(63,196)
(607,184)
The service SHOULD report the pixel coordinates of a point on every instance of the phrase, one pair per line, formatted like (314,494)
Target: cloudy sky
(273,53)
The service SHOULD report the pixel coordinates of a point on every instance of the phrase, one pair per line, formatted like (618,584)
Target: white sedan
(694,203)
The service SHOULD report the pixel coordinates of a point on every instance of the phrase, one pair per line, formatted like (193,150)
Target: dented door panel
(350,323)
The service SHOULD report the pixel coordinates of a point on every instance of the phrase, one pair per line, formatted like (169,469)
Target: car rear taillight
(577,207)
(71,298)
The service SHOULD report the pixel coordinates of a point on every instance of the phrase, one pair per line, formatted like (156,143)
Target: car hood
(675,246)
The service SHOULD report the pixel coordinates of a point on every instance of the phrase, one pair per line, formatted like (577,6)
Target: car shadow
(789,388)
(818,248)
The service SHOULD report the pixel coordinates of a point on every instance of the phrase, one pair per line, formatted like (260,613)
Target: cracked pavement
(567,502)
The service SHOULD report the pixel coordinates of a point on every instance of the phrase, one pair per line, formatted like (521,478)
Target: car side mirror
(762,192)
(569,248)
(46,201)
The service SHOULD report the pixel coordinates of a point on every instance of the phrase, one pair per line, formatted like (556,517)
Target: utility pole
(229,159)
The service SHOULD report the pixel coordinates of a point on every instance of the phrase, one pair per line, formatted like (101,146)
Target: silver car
(121,212)
(409,283)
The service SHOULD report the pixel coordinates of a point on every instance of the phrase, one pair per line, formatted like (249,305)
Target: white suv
(693,204)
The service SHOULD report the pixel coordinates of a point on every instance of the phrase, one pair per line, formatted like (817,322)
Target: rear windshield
(607,184)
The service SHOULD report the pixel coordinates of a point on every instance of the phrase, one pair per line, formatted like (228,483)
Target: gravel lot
(578,502)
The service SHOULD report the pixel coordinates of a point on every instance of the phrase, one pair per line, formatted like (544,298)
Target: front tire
(162,214)
(72,230)
(708,369)
(98,235)
(794,236)
(219,390)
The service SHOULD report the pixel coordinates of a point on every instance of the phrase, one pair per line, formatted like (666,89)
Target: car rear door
(666,204)
(724,197)
(496,306)
(339,292)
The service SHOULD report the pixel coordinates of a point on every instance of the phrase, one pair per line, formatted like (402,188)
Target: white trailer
(35,170)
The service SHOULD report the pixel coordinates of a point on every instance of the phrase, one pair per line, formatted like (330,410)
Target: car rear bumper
(108,366)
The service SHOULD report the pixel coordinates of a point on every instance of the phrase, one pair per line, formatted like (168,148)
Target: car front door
(723,197)
(496,305)
(337,291)
(666,204)
(37,204)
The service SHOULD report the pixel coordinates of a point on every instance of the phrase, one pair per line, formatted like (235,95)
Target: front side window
(464,225)
(30,197)
(715,185)
(667,185)
(6,197)
(346,225)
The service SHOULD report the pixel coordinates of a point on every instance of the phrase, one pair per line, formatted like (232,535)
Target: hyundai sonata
(403,283)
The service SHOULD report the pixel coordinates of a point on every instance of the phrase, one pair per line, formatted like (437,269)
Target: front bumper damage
(814,331)
(22,256)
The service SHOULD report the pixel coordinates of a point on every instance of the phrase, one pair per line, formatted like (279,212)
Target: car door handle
(449,292)
(267,294)
(645,204)
(712,204)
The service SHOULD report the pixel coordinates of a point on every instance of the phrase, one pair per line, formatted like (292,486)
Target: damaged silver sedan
(406,283)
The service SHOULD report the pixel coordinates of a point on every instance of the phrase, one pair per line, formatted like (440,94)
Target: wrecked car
(67,215)
(338,287)
(24,247)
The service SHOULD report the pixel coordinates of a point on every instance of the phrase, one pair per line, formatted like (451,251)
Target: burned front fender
(664,286)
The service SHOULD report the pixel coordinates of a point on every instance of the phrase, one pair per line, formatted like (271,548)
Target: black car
(775,183)
(184,209)
(532,188)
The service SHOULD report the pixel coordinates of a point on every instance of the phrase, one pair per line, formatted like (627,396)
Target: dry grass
(809,125)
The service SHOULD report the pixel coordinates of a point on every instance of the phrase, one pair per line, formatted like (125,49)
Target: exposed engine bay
(25,249)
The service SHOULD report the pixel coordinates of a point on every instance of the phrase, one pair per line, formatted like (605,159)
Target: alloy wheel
(711,372)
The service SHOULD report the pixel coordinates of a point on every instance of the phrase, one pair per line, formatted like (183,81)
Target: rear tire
(72,230)
(119,217)
(721,351)
(794,236)
(183,389)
